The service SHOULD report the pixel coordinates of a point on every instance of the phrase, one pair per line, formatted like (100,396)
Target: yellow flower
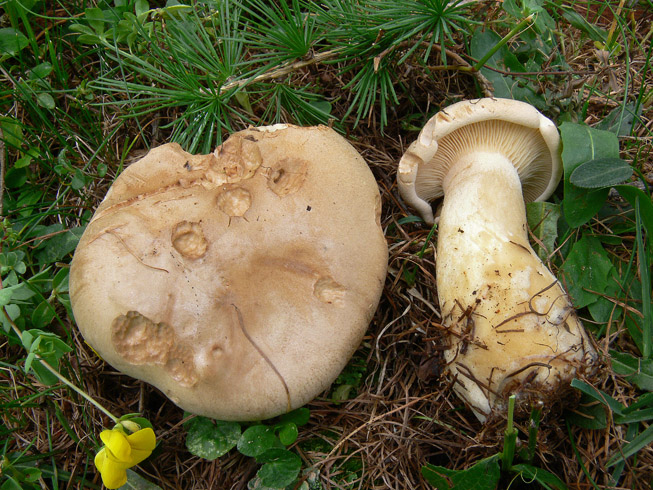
(122,451)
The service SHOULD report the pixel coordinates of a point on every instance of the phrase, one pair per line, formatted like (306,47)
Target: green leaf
(579,22)
(622,119)
(61,280)
(141,7)
(43,374)
(603,308)
(95,18)
(530,474)
(5,296)
(482,41)
(11,484)
(12,41)
(511,7)
(46,100)
(645,415)
(543,220)
(603,172)
(484,475)
(637,370)
(43,315)
(298,416)
(633,195)
(137,482)
(257,439)
(643,440)
(587,268)
(598,395)
(588,414)
(60,245)
(280,467)
(644,401)
(32,474)
(13,311)
(29,360)
(12,131)
(211,439)
(78,180)
(581,144)
(24,161)
(40,71)
(288,433)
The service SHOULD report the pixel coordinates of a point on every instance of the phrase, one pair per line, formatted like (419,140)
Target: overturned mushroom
(240,282)
(511,326)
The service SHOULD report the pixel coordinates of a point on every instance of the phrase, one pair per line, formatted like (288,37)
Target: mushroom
(511,327)
(239,282)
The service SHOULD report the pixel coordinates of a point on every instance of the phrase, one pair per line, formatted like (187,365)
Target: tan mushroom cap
(510,127)
(240,282)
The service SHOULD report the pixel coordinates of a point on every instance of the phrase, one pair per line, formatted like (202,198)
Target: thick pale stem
(512,327)
(483,212)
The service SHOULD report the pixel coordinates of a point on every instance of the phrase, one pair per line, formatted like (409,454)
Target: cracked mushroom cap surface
(512,128)
(239,283)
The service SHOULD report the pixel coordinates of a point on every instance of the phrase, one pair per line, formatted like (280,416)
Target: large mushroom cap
(510,127)
(240,282)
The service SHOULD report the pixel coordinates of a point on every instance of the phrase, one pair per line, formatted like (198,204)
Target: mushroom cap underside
(513,129)
(239,283)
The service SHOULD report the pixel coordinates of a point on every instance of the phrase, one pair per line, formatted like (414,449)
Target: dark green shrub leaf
(137,482)
(598,395)
(12,131)
(543,221)
(60,245)
(12,41)
(588,414)
(581,144)
(298,417)
(42,315)
(5,296)
(634,195)
(604,172)
(40,71)
(79,180)
(637,370)
(12,484)
(621,119)
(46,346)
(482,41)
(60,281)
(210,439)
(288,433)
(547,480)
(45,100)
(587,267)
(257,439)
(579,22)
(280,467)
(15,177)
(23,162)
(484,475)
(643,440)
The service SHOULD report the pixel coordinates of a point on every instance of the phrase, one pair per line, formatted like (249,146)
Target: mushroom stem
(483,192)
(512,327)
